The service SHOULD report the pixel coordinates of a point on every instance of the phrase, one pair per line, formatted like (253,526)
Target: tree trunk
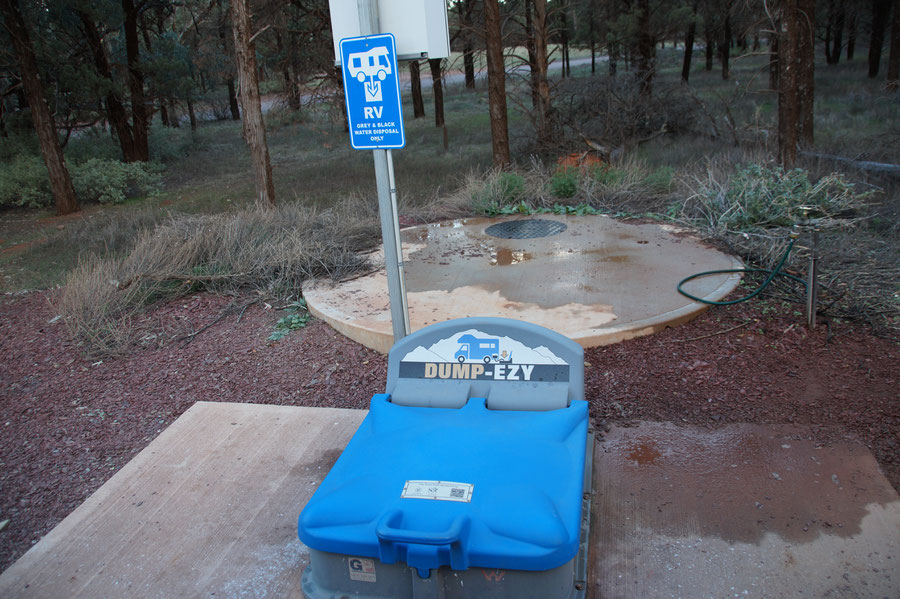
(880,10)
(139,117)
(437,90)
(834,32)
(496,83)
(893,71)
(415,82)
(612,49)
(688,51)
(469,66)
(806,63)
(539,73)
(796,59)
(646,46)
(565,67)
(254,130)
(773,60)
(788,83)
(60,182)
(232,99)
(190,107)
(174,119)
(115,108)
(710,45)
(163,112)
(468,50)
(725,47)
(532,57)
(851,33)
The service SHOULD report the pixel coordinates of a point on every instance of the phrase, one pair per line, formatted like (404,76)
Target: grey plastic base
(328,577)
(339,576)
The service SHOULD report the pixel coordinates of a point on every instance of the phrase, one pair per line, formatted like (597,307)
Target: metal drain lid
(531,228)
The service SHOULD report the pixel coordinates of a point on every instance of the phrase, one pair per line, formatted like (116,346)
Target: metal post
(387,205)
(812,290)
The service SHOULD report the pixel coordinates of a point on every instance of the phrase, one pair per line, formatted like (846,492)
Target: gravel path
(69,423)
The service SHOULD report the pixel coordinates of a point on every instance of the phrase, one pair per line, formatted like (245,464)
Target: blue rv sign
(372,92)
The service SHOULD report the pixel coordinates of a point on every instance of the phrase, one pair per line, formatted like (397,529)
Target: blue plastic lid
(467,487)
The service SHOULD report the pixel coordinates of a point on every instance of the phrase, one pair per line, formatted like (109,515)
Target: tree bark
(437,90)
(834,32)
(806,61)
(465,8)
(539,73)
(851,33)
(529,48)
(796,91)
(773,59)
(190,107)
(725,48)
(893,71)
(60,182)
(496,84)
(254,129)
(880,10)
(788,83)
(646,46)
(115,108)
(688,51)
(415,81)
(139,117)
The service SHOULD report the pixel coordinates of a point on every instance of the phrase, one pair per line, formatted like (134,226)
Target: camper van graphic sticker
(372,92)
(475,355)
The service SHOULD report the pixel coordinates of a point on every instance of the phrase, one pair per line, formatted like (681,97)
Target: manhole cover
(525,229)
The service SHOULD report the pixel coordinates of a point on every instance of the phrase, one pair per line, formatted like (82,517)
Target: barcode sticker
(440,490)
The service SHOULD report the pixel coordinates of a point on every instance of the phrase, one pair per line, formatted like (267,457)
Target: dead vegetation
(270,251)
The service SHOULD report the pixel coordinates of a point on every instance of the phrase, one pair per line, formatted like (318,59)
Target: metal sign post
(375,116)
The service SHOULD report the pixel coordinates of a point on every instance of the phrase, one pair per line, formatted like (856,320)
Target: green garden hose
(772,274)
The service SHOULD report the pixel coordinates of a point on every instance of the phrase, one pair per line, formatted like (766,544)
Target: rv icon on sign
(373,64)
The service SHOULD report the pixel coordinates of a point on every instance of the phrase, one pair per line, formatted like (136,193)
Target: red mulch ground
(69,423)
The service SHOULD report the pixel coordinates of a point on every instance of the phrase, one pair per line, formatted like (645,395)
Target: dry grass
(270,251)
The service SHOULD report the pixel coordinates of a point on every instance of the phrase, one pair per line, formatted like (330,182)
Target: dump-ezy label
(440,490)
(483,372)
(474,355)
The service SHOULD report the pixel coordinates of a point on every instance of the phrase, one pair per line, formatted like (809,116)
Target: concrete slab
(743,511)
(209,509)
(598,282)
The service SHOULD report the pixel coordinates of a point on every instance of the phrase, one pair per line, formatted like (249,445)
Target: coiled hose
(775,272)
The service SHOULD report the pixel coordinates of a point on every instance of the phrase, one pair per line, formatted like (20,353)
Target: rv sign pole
(384,167)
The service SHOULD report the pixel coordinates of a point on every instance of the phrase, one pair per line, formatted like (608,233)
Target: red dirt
(70,423)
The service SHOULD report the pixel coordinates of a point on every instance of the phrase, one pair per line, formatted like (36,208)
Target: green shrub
(762,197)
(564,183)
(24,182)
(498,190)
(660,180)
(608,176)
(111,181)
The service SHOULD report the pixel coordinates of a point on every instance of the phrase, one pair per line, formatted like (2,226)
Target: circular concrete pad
(600,281)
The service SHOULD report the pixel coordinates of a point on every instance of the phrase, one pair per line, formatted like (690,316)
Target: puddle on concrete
(508,257)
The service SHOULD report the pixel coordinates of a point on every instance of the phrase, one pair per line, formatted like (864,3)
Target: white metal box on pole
(419,26)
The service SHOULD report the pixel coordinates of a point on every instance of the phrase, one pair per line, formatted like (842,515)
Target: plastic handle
(386,532)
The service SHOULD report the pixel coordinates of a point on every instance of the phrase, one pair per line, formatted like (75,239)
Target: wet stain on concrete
(319,467)
(643,453)
(737,483)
